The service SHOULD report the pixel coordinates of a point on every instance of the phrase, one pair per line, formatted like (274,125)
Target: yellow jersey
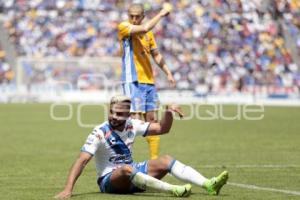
(136,52)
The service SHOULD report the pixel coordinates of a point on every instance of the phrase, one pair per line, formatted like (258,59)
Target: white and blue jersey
(112,148)
(128,66)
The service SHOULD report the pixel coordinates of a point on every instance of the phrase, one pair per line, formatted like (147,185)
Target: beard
(117,124)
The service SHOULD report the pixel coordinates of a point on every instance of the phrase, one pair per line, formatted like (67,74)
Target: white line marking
(249,166)
(254,187)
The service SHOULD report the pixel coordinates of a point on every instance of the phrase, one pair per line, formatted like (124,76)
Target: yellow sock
(153,142)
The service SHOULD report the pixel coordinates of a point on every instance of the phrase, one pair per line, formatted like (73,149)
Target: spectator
(6,73)
(233,36)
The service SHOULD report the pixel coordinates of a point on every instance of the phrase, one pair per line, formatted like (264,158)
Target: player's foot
(182,190)
(214,185)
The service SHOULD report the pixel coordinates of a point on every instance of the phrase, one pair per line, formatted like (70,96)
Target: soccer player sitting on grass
(111,143)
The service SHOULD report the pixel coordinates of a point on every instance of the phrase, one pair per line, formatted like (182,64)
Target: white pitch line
(249,166)
(254,187)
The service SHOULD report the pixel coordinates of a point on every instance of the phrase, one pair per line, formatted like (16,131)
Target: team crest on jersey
(112,141)
(98,136)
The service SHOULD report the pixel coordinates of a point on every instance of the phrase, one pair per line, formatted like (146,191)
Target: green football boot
(182,190)
(214,185)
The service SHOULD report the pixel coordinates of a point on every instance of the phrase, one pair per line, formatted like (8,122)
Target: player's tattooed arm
(160,61)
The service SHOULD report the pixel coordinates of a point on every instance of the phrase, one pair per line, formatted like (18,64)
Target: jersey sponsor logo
(112,141)
(121,154)
(99,136)
(121,158)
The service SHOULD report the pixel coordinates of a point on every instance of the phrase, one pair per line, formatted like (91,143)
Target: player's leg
(138,94)
(153,141)
(128,179)
(160,167)
(154,145)
(151,116)
(188,174)
(131,90)
(214,185)
(148,175)
(118,181)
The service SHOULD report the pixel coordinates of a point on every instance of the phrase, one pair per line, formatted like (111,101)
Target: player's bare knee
(126,170)
(165,161)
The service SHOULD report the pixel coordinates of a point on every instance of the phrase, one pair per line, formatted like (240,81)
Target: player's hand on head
(63,195)
(175,108)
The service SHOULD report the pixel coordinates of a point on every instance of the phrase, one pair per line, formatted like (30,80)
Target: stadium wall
(95,80)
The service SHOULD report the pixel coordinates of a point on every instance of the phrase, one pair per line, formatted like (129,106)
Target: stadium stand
(6,72)
(219,46)
(290,12)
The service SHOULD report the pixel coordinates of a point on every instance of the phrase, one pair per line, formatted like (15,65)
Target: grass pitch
(37,152)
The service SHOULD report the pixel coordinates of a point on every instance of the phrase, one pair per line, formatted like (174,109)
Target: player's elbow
(84,158)
(165,129)
(158,129)
(145,28)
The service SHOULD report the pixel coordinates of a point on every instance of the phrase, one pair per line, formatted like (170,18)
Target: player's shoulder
(101,128)
(135,122)
(123,24)
(150,33)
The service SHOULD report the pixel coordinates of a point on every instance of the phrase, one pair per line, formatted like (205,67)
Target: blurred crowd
(289,11)
(209,45)
(6,72)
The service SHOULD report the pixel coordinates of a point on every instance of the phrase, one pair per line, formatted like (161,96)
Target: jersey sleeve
(124,29)
(140,127)
(152,41)
(93,141)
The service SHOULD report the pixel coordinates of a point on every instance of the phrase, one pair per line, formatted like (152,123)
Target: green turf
(37,151)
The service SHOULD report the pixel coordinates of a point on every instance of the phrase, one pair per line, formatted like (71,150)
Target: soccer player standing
(138,45)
